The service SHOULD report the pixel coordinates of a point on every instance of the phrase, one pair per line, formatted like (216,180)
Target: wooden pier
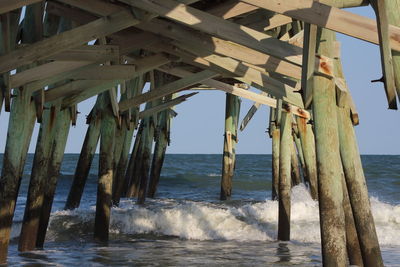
(55,54)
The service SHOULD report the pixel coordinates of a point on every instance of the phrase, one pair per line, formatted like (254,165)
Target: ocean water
(186,225)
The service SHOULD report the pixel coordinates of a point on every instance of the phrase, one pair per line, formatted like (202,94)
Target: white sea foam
(207,221)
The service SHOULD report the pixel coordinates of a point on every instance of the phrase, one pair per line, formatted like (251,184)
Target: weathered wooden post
(134,86)
(20,127)
(132,179)
(352,242)
(30,224)
(161,142)
(274,131)
(42,183)
(149,123)
(53,171)
(299,150)
(33,26)
(162,136)
(356,185)
(104,189)
(285,152)
(232,112)
(85,159)
(296,176)
(333,234)
(308,145)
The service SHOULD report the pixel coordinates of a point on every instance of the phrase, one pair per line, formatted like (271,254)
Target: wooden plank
(9,5)
(231,8)
(331,18)
(67,40)
(167,89)
(44,71)
(166,105)
(277,20)
(94,53)
(386,53)
(81,90)
(224,29)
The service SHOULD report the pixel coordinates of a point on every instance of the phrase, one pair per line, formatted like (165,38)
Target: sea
(187,225)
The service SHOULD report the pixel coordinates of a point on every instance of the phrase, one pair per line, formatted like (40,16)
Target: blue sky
(199,126)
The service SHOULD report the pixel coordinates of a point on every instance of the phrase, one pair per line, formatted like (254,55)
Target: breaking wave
(256,221)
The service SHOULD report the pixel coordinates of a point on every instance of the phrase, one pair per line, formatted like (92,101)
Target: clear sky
(199,126)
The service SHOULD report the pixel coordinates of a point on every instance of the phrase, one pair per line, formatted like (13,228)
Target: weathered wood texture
(232,111)
(132,179)
(21,122)
(275,134)
(63,122)
(332,222)
(85,160)
(308,145)
(285,151)
(134,86)
(295,167)
(162,140)
(356,184)
(104,188)
(30,225)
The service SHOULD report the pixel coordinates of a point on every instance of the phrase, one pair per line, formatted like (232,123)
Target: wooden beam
(219,27)
(67,40)
(166,105)
(9,5)
(252,76)
(141,66)
(44,71)
(277,20)
(94,53)
(79,90)
(167,89)
(331,18)
(212,44)
(231,8)
(235,90)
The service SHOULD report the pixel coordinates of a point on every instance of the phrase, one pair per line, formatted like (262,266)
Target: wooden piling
(275,135)
(299,150)
(132,179)
(146,145)
(232,110)
(333,235)
(352,242)
(285,152)
(161,143)
(295,168)
(63,122)
(84,161)
(308,145)
(162,139)
(20,127)
(134,86)
(30,224)
(104,189)
(356,183)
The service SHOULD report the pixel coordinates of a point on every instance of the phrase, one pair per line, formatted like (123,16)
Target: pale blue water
(187,225)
